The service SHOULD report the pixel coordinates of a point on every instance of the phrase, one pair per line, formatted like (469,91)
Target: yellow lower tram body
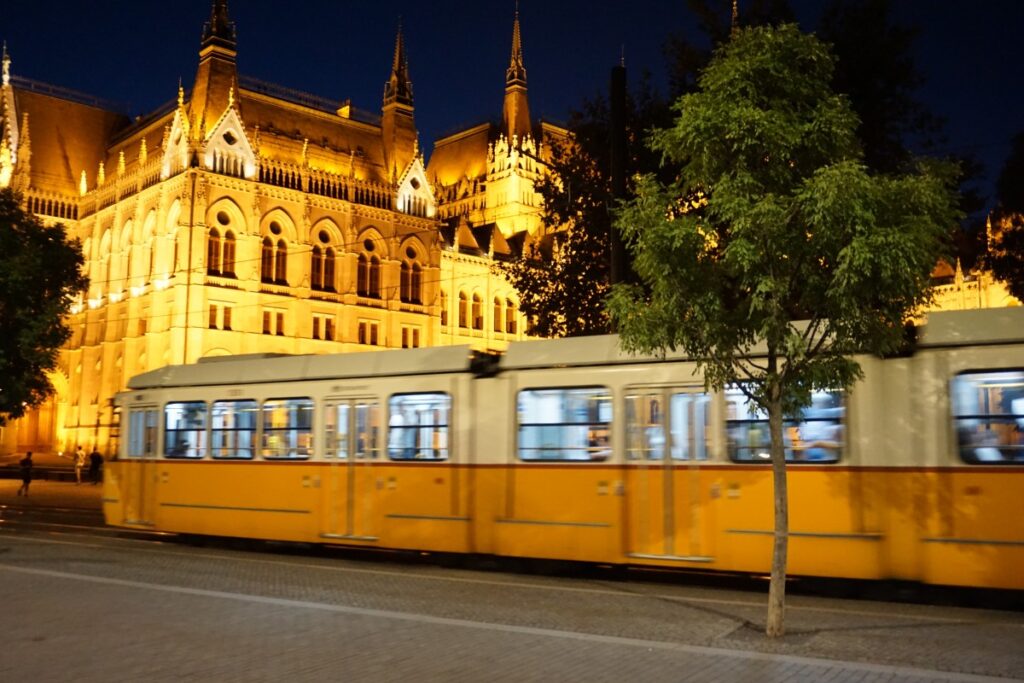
(882,523)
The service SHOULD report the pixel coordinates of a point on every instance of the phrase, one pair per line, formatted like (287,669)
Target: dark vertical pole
(617,155)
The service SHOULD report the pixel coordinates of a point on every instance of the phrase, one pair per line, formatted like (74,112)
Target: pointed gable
(227,149)
(415,195)
(175,153)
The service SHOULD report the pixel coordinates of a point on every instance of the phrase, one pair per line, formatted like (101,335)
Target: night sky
(134,52)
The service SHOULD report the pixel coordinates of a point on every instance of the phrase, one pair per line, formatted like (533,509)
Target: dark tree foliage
(562,282)
(1005,257)
(1010,186)
(40,272)
(876,69)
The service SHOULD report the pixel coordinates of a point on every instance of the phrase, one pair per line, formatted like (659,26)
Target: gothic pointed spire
(6,64)
(516,111)
(735,25)
(516,74)
(219,30)
(399,85)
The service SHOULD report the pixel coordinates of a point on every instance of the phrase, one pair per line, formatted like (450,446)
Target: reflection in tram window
(233,429)
(816,435)
(988,412)
(142,430)
(565,424)
(185,430)
(418,427)
(688,421)
(338,427)
(287,428)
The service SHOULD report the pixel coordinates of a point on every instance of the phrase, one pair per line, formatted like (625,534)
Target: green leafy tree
(1005,257)
(40,272)
(798,257)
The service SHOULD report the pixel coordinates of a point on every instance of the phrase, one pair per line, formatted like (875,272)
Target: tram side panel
(492,459)
(563,491)
(976,532)
(424,481)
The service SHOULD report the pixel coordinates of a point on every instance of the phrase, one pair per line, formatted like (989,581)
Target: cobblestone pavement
(90,608)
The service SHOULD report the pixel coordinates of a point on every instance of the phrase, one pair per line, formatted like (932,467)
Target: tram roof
(266,368)
(977,326)
(576,351)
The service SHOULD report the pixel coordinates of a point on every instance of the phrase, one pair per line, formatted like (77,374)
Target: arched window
(411,283)
(227,266)
(478,312)
(281,263)
(267,261)
(416,287)
(316,269)
(213,252)
(329,270)
(444,308)
(510,316)
(405,283)
(463,310)
(499,320)
(374,285)
(363,276)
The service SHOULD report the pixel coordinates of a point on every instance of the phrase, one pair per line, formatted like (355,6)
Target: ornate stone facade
(243,217)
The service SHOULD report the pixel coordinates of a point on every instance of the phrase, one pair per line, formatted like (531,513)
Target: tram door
(139,467)
(667,437)
(352,446)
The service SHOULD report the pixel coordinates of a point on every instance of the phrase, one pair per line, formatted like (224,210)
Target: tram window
(337,426)
(988,413)
(233,429)
(142,430)
(185,430)
(418,426)
(565,424)
(287,428)
(688,418)
(816,435)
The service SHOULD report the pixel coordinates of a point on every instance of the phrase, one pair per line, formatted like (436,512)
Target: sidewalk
(46,466)
(45,493)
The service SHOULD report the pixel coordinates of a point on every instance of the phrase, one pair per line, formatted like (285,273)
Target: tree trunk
(775,626)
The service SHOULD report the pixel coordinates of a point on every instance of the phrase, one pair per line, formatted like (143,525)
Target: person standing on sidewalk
(79,464)
(26,473)
(95,462)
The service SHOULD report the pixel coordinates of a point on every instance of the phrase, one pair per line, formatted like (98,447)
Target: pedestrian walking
(95,463)
(26,473)
(79,464)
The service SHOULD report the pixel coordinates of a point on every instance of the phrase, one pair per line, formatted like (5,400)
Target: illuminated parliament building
(245,217)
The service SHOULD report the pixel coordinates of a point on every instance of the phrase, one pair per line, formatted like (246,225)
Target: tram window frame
(298,444)
(989,446)
(400,447)
(646,436)
(177,448)
(739,430)
(589,440)
(143,431)
(237,452)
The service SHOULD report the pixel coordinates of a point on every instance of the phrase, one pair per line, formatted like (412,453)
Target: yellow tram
(570,449)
